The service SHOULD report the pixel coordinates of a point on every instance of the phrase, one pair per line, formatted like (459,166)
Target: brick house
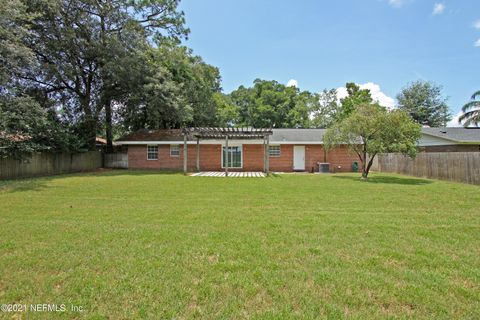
(288,150)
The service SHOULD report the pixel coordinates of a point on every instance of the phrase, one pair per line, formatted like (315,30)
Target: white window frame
(274,155)
(148,152)
(241,156)
(172,147)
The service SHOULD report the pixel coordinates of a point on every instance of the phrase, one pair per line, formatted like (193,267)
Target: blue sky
(384,44)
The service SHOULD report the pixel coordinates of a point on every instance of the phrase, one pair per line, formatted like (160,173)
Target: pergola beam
(214,133)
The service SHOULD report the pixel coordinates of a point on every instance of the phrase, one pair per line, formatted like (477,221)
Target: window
(152,152)
(274,151)
(234,157)
(174,150)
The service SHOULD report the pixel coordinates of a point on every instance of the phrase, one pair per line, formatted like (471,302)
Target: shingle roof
(154,135)
(467,135)
(297,135)
(460,135)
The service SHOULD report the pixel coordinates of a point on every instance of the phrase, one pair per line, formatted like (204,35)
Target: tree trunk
(90,122)
(91,126)
(370,163)
(364,165)
(108,125)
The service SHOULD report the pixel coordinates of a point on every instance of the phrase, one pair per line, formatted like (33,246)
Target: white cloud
(341,93)
(476,24)
(438,8)
(454,122)
(396,3)
(292,83)
(477,43)
(375,91)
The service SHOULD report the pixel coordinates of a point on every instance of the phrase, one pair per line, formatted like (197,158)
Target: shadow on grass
(22,185)
(274,175)
(39,183)
(387,180)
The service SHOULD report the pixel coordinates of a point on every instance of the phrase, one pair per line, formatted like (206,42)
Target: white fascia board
(222,142)
(295,142)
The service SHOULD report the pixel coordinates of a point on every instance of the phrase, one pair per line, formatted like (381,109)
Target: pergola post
(267,156)
(198,154)
(185,155)
(226,133)
(264,155)
(226,155)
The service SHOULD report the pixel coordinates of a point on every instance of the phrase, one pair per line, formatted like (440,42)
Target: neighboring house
(450,140)
(289,150)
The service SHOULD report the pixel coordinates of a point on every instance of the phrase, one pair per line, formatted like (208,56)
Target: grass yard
(127,245)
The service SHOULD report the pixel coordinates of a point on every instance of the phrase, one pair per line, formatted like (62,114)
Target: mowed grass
(130,244)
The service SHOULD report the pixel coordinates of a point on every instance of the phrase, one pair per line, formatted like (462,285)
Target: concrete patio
(230,174)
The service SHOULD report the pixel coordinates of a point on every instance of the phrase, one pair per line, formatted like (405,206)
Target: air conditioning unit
(323,167)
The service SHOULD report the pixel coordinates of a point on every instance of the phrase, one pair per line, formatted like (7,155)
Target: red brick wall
(137,157)
(284,163)
(210,158)
(313,154)
(341,157)
(253,157)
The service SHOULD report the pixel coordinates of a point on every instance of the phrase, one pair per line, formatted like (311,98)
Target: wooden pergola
(212,133)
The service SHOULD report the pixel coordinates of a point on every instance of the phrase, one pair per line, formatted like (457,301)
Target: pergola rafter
(215,133)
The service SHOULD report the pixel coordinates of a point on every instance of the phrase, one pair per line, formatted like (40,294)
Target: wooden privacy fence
(42,164)
(453,166)
(116,160)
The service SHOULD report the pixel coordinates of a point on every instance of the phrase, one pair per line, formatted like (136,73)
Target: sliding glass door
(234,157)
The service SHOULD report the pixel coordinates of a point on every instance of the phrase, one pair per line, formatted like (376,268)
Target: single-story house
(288,149)
(450,140)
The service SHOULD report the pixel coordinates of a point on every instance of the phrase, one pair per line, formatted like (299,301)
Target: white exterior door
(298,157)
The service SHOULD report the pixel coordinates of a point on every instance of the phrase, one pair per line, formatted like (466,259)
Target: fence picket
(453,166)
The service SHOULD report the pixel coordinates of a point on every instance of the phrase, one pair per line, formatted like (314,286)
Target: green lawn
(126,245)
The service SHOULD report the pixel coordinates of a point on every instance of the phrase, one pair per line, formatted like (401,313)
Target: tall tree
(76,43)
(175,88)
(14,55)
(424,102)
(227,114)
(471,111)
(355,97)
(371,129)
(327,109)
(271,104)
(26,124)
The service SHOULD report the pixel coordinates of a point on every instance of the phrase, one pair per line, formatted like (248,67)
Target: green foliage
(27,127)
(471,111)
(227,113)
(327,109)
(424,102)
(172,88)
(271,104)
(355,97)
(82,47)
(371,129)
(14,55)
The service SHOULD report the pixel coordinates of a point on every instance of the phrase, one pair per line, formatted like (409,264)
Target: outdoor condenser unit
(323,167)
